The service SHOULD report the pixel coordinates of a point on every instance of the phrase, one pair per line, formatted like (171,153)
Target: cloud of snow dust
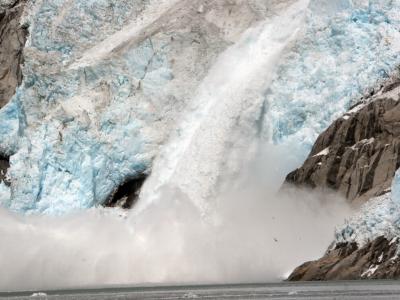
(252,235)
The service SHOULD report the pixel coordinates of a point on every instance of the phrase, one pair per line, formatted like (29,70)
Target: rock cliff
(12,41)
(358,156)
(376,260)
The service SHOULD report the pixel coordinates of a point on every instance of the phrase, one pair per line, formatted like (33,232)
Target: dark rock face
(376,260)
(359,153)
(357,156)
(4,165)
(126,194)
(12,41)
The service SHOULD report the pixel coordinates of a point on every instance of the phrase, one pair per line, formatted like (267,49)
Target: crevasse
(76,131)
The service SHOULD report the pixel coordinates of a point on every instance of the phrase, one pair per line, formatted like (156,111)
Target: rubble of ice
(86,119)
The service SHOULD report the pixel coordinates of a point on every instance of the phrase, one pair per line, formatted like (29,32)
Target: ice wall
(348,47)
(78,129)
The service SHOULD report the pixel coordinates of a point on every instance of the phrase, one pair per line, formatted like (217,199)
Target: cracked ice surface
(84,121)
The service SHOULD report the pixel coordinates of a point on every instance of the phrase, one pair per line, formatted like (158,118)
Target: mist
(253,234)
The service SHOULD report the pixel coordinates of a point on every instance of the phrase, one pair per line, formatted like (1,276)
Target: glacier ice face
(73,130)
(85,120)
(78,127)
(348,46)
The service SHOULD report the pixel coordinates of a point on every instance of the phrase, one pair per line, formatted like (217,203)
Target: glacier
(106,86)
(82,131)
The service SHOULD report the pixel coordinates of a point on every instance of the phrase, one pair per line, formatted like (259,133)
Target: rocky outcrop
(358,156)
(376,260)
(359,153)
(12,41)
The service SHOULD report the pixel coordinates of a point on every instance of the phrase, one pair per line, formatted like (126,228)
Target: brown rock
(376,260)
(12,41)
(357,156)
(359,153)
(4,165)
